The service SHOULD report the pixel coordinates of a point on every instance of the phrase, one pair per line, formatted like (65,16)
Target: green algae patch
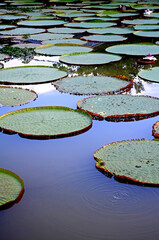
(61,49)
(11,188)
(135,161)
(30,75)
(10,96)
(134,49)
(92,85)
(120,107)
(155,131)
(150,75)
(46,122)
(89,58)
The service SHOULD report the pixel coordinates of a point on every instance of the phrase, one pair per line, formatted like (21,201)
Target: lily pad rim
(152,81)
(32,136)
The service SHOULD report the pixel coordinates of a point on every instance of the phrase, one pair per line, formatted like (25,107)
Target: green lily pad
(11,188)
(117,15)
(104,38)
(41,23)
(64,40)
(134,161)
(46,122)
(9,17)
(92,85)
(150,75)
(87,25)
(120,107)
(50,36)
(146,27)
(153,15)
(30,75)
(155,131)
(83,19)
(60,49)
(7,27)
(22,31)
(134,49)
(111,30)
(65,30)
(89,58)
(149,34)
(10,96)
(140,21)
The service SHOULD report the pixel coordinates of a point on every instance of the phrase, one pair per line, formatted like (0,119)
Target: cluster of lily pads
(71,30)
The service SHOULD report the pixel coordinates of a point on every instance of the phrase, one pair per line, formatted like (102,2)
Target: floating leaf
(120,107)
(135,161)
(87,25)
(30,75)
(50,36)
(46,122)
(150,75)
(155,131)
(104,38)
(60,49)
(10,96)
(41,23)
(150,34)
(7,27)
(111,30)
(90,85)
(11,188)
(65,30)
(22,31)
(134,49)
(140,21)
(89,58)
(146,27)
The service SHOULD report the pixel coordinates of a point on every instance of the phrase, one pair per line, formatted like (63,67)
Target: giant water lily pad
(149,34)
(60,49)
(146,27)
(46,122)
(111,30)
(10,96)
(50,36)
(134,49)
(133,161)
(140,21)
(22,31)
(7,27)
(30,75)
(120,107)
(41,23)
(92,85)
(89,58)
(150,74)
(87,25)
(11,188)
(65,30)
(83,19)
(155,130)
(105,38)
(64,40)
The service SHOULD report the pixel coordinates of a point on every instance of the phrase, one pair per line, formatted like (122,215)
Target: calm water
(65,196)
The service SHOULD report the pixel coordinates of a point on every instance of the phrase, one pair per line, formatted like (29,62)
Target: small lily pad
(46,122)
(11,188)
(120,107)
(92,85)
(10,96)
(134,49)
(7,27)
(155,131)
(134,161)
(30,75)
(89,58)
(150,75)
(60,49)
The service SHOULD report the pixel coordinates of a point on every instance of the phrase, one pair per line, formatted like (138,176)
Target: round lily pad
(50,36)
(41,23)
(111,30)
(134,161)
(65,30)
(10,96)
(11,188)
(30,75)
(146,27)
(104,38)
(46,122)
(134,49)
(155,131)
(120,107)
(60,49)
(140,21)
(150,75)
(87,25)
(22,31)
(150,34)
(89,58)
(92,85)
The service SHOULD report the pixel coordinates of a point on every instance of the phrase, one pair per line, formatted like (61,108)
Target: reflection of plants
(26,53)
